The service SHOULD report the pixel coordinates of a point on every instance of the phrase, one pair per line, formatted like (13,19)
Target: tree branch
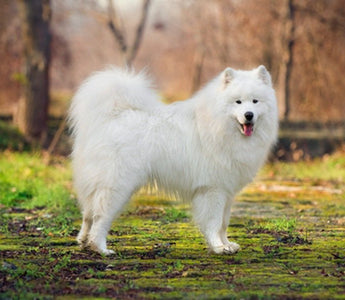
(115,28)
(139,32)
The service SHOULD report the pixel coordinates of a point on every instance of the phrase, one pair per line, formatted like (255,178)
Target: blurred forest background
(290,222)
(183,44)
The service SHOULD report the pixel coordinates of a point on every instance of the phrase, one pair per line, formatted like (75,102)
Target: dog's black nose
(249,115)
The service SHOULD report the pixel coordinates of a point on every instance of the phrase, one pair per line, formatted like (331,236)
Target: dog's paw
(100,250)
(83,244)
(104,252)
(229,248)
(107,252)
(82,240)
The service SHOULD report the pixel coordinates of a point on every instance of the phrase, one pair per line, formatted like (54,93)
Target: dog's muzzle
(247,128)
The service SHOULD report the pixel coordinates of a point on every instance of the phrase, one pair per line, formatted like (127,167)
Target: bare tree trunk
(128,52)
(287,64)
(33,106)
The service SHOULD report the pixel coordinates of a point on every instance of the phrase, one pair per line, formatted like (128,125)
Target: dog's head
(250,99)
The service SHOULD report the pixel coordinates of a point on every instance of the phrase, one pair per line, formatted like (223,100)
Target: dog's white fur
(196,149)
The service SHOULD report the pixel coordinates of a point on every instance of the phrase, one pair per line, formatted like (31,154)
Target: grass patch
(173,214)
(26,182)
(279,225)
(328,168)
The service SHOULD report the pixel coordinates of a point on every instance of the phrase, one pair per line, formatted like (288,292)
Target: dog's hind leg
(107,204)
(83,234)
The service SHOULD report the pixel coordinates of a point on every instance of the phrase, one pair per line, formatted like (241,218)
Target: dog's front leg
(209,206)
(230,247)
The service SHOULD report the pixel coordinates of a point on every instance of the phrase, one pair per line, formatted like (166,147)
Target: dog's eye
(238,101)
(255,101)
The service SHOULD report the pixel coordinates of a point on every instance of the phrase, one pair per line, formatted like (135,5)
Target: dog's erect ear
(228,76)
(264,75)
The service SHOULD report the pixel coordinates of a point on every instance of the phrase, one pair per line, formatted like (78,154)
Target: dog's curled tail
(106,94)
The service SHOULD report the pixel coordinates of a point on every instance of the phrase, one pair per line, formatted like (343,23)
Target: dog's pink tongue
(248,129)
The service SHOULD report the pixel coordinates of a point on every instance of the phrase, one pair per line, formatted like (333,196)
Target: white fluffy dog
(204,150)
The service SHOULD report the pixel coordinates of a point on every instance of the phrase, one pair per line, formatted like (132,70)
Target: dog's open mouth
(247,128)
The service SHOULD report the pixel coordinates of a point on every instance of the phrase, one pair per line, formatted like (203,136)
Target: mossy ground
(291,229)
